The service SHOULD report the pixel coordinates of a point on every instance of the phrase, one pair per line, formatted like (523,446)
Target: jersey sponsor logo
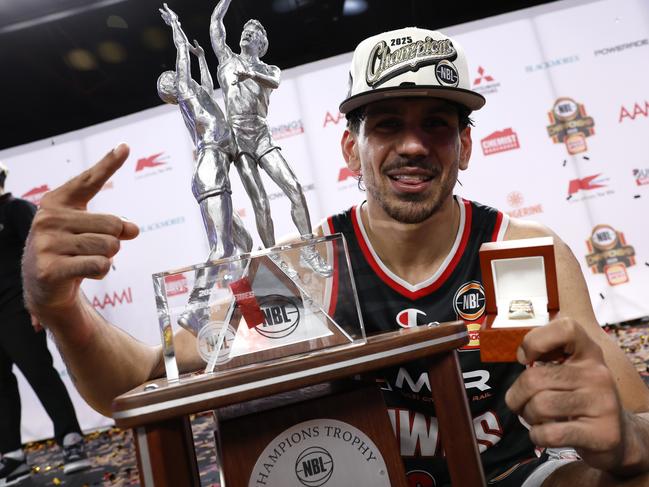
(469,301)
(473,379)
(407,318)
(282,316)
(418,434)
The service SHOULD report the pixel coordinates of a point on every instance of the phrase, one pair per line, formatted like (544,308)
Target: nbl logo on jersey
(469,305)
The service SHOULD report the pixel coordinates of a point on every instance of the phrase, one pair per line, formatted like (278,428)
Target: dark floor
(113,457)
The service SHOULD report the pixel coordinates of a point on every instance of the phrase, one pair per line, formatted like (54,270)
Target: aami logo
(288,129)
(314,466)
(586,184)
(638,109)
(113,299)
(149,162)
(331,118)
(641,176)
(407,318)
(500,141)
(282,316)
(35,195)
(176,284)
(469,301)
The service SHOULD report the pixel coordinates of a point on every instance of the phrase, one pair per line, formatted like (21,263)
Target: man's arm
(588,400)
(206,78)
(183,61)
(217,31)
(67,244)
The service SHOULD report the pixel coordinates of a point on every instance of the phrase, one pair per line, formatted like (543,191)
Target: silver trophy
(247,83)
(284,295)
(214,150)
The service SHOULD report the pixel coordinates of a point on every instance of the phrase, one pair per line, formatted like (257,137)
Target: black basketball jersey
(454,292)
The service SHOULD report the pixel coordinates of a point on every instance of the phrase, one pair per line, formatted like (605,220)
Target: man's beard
(411,208)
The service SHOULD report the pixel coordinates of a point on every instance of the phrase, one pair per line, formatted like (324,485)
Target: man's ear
(350,151)
(465,148)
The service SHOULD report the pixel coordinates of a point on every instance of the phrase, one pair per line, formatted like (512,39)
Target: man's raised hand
(67,243)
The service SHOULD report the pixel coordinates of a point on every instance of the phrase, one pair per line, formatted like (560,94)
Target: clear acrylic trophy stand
(266,305)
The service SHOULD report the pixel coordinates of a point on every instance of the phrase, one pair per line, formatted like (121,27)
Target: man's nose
(414,142)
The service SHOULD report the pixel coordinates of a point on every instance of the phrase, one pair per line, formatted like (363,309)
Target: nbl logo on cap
(446,74)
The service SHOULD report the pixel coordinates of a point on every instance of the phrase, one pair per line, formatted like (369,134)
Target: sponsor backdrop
(562,140)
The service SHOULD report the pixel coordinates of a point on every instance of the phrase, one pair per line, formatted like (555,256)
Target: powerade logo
(314,466)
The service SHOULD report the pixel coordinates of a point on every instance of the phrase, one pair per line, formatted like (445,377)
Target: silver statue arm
(269,78)
(206,78)
(217,31)
(183,61)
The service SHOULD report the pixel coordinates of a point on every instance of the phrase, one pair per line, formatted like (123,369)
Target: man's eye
(436,122)
(388,123)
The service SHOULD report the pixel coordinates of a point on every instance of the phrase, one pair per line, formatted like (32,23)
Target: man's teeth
(411,178)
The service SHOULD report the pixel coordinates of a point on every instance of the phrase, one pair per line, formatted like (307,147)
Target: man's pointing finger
(78,191)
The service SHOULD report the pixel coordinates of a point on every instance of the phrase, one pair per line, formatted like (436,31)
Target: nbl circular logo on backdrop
(469,301)
(282,316)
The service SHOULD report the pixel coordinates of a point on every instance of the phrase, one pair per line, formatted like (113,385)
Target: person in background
(26,347)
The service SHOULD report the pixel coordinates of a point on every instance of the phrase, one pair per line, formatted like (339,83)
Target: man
(409,135)
(247,82)
(210,184)
(22,345)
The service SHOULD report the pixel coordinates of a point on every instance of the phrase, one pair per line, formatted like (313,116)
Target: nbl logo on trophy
(570,125)
(610,254)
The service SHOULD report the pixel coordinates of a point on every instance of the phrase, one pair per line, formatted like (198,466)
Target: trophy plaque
(520,282)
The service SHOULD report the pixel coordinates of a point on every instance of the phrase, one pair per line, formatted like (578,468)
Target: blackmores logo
(289,129)
(35,195)
(500,141)
(314,466)
(113,299)
(638,110)
(282,316)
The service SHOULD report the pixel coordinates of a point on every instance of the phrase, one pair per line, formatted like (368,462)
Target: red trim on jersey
(333,299)
(499,222)
(435,284)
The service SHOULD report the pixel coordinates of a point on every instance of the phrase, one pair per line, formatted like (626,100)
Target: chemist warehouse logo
(469,305)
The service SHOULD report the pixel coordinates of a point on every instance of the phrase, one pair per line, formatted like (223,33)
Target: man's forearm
(103,361)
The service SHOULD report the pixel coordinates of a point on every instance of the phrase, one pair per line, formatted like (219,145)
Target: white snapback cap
(409,62)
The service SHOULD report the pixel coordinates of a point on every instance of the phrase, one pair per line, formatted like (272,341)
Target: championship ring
(521,309)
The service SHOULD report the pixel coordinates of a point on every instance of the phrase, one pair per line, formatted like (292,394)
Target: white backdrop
(594,53)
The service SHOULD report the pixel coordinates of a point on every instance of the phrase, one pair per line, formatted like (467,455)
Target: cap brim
(470,99)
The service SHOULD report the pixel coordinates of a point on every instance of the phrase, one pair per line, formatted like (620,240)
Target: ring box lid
(520,269)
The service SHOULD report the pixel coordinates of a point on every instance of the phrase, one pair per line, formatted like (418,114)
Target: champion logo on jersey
(407,318)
